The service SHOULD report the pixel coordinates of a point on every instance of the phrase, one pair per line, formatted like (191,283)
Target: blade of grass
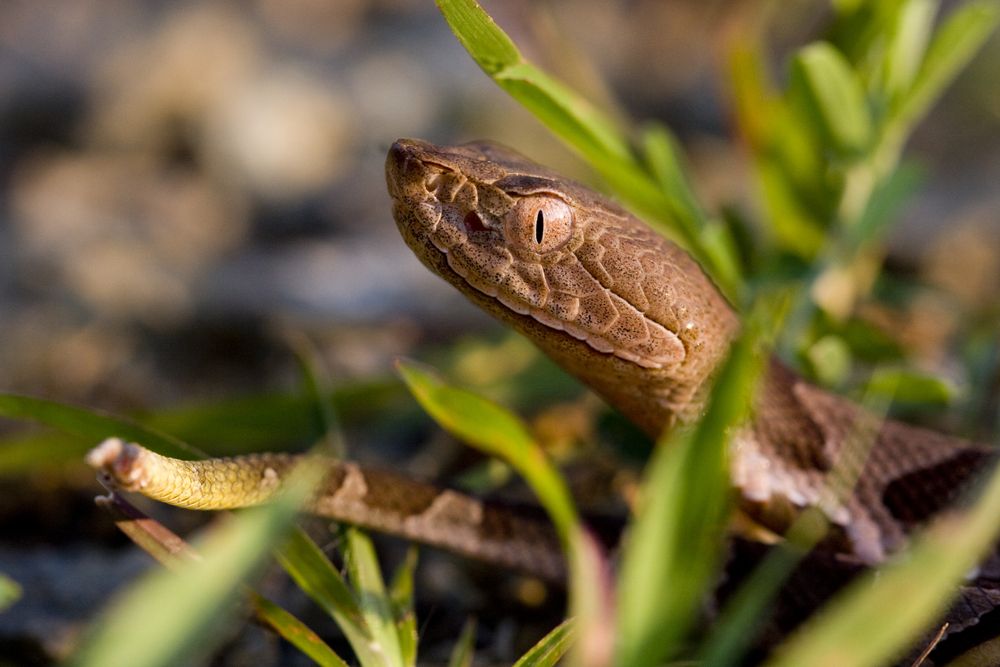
(673,548)
(171,551)
(297,633)
(374,601)
(465,647)
(551,648)
(401,593)
(171,617)
(313,572)
(91,424)
(496,432)
(854,630)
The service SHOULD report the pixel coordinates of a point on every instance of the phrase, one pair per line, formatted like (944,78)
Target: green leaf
(551,648)
(910,32)
(488,45)
(465,647)
(376,605)
(566,113)
(10,592)
(496,432)
(170,617)
(951,48)
(854,630)
(401,594)
(663,157)
(313,572)
(295,632)
(91,424)
(909,386)
(672,550)
(835,96)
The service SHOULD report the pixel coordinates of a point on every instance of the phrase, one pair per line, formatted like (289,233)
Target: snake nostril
(474,223)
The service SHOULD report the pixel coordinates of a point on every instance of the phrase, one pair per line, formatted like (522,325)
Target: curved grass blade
(551,648)
(171,617)
(370,591)
(92,424)
(853,630)
(465,647)
(673,548)
(497,432)
(313,572)
(297,633)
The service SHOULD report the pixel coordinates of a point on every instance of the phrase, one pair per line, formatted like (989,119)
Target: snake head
(559,262)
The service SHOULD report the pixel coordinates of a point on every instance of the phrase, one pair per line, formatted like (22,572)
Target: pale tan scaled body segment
(634,318)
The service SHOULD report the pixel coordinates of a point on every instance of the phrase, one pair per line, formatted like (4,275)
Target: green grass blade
(10,592)
(465,647)
(313,572)
(496,432)
(951,48)
(551,648)
(401,594)
(91,424)
(566,113)
(170,617)
(374,601)
(488,45)
(835,97)
(297,633)
(854,629)
(672,550)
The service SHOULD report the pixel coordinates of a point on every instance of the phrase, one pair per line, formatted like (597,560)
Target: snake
(634,318)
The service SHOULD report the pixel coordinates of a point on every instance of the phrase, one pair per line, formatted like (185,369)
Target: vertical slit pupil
(539,227)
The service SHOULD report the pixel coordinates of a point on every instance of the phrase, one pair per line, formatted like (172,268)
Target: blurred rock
(129,252)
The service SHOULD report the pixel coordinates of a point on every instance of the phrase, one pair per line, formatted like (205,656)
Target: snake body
(633,317)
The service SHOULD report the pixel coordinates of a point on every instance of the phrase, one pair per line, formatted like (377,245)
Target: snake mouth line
(461,277)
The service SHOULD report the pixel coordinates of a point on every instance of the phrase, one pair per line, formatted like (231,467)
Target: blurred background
(186,189)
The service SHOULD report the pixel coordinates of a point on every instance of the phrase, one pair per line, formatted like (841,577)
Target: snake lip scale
(633,317)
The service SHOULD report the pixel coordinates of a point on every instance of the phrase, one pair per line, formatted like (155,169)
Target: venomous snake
(634,318)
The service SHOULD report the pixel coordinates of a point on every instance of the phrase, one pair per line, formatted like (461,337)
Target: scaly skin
(633,317)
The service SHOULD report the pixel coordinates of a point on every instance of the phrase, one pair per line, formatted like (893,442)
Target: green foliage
(191,604)
(496,432)
(672,551)
(551,648)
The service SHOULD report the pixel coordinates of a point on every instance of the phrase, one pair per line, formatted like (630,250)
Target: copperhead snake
(635,319)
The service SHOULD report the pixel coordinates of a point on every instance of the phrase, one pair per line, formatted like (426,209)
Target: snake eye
(539,223)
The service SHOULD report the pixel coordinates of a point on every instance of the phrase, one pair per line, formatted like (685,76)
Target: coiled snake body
(634,318)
